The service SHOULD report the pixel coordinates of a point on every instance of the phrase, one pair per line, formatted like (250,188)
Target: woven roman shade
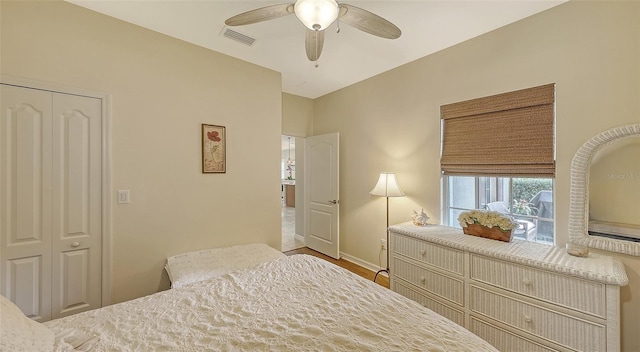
(510,134)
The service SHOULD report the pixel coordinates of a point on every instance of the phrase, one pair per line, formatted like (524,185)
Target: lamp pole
(387,268)
(386,187)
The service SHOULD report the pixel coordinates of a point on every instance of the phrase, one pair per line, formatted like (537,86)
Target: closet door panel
(77,199)
(25,199)
(75,280)
(25,289)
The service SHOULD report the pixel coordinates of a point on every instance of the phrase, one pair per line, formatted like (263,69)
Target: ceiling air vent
(238,37)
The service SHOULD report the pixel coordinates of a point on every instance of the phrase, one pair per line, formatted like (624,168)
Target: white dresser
(519,296)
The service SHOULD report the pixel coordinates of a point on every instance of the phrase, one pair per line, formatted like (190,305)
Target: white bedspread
(297,303)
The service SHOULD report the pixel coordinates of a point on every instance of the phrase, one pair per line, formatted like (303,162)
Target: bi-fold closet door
(50,201)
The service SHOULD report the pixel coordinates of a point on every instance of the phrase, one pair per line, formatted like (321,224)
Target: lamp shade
(316,14)
(387,186)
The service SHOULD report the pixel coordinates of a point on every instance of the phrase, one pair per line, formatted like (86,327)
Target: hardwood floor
(354,268)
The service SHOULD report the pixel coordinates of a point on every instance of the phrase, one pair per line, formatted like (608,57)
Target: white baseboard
(362,263)
(352,259)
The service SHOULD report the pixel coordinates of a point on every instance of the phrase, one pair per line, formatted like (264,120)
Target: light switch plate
(124,197)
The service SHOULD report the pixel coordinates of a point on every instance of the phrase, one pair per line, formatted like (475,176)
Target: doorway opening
(290,240)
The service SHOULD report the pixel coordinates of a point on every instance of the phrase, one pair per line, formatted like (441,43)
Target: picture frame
(214,149)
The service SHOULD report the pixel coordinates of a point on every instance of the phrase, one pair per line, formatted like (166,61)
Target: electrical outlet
(383,243)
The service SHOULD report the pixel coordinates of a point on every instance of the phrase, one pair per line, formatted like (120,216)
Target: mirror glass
(614,190)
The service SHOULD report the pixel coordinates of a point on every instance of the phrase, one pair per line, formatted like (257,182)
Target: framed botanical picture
(214,146)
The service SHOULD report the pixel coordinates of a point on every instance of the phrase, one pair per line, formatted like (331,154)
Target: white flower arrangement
(488,219)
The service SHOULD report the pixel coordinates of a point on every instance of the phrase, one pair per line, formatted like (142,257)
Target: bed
(294,303)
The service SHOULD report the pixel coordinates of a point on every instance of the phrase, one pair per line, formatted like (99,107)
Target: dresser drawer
(582,295)
(504,340)
(450,313)
(448,288)
(563,329)
(439,256)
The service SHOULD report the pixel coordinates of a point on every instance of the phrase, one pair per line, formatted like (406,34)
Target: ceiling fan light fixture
(316,14)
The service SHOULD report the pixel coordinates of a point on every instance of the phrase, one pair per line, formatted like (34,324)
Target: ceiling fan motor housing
(316,15)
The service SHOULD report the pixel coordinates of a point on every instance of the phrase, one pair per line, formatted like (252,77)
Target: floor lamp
(386,187)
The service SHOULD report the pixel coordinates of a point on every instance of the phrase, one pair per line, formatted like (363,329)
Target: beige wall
(297,115)
(591,50)
(162,90)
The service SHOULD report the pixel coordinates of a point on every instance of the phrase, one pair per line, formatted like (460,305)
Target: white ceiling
(348,57)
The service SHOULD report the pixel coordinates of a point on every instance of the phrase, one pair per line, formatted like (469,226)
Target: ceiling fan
(318,15)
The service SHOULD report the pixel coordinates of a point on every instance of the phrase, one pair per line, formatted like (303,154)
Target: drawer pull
(75,244)
(422,279)
(526,282)
(527,319)
(423,252)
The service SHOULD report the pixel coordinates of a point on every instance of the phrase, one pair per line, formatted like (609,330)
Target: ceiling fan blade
(260,15)
(313,43)
(368,22)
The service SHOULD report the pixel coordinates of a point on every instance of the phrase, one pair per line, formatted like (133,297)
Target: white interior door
(322,201)
(77,204)
(25,194)
(50,201)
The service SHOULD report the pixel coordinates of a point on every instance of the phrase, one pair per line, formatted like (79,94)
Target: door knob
(333,201)
(75,244)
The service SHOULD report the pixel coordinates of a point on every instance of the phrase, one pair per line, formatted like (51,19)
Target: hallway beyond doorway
(289,240)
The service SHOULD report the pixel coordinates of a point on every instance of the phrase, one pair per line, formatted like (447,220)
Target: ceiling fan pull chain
(338,23)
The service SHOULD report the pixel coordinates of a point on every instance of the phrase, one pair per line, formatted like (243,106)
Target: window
(528,200)
(498,153)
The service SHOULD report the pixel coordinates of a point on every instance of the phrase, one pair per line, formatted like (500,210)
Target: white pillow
(19,333)
(187,268)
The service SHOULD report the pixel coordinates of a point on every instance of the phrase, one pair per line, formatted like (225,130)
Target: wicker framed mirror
(579,202)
